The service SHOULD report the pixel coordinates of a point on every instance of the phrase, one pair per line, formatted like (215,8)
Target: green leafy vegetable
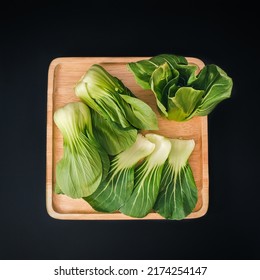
(185,101)
(147,179)
(178,192)
(180,93)
(84,164)
(113,138)
(118,186)
(144,69)
(217,86)
(108,96)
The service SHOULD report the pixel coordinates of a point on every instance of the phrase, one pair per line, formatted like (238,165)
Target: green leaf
(112,137)
(79,172)
(217,86)
(104,158)
(113,192)
(174,61)
(141,115)
(145,192)
(143,69)
(162,79)
(178,197)
(187,74)
(182,105)
(147,179)
(118,186)
(178,192)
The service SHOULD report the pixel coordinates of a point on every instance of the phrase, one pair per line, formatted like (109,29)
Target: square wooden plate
(63,75)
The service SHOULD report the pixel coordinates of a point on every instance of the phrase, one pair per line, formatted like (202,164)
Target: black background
(32,34)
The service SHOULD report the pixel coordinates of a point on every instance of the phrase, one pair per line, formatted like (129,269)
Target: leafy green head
(180,92)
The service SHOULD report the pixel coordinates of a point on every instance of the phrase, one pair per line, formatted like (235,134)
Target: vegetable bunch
(106,123)
(117,113)
(152,174)
(181,93)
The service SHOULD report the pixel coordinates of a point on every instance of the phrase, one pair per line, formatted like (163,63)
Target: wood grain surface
(62,77)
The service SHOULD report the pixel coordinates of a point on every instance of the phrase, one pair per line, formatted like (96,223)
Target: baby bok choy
(84,164)
(113,101)
(118,186)
(180,92)
(178,193)
(147,179)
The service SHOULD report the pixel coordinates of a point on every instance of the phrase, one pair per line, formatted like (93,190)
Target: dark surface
(32,36)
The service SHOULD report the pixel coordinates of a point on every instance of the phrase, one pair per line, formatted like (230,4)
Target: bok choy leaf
(147,179)
(180,93)
(84,164)
(113,138)
(118,186)
(178,193)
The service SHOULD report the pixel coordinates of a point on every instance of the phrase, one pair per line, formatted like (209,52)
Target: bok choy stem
(147,179)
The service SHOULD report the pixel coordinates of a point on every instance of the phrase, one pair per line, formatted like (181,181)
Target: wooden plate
(63,75)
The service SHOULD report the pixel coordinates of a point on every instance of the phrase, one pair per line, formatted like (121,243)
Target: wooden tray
(63,74)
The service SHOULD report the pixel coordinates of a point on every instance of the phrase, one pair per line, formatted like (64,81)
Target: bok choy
(118,186)
(84,164)
(147,179)
(180,92)
(111,99)
(178,192)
